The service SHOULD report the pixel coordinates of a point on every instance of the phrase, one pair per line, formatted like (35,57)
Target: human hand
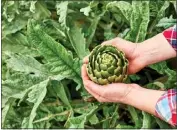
(115,92)
(139,55)
(130,94)
(131,52)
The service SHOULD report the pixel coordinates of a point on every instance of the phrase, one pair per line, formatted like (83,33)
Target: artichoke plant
(107,65)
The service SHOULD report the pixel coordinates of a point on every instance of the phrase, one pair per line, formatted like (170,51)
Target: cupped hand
(131,51)
(115,92)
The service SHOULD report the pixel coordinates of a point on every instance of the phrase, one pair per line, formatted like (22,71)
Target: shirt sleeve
(170,35)
(166,107)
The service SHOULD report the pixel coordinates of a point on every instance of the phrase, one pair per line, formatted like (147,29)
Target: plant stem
(51,116)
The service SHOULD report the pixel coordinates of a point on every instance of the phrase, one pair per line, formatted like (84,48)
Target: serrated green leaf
(58,87)
(122,9)
(41,10)
(174,3)
(139,21)
(82,108)
(17,43)
(6,109)
(13,117)
(86,10)
(32,6)
(26,64)
(159,84)
(172,81)
(161,12)
(11,28)
(54,29)
(135,116)
(124,33)
(46,113)
(59,59)
(166,22)
(10,8)
(111,115)
(77,40)
(94,120)
(36,96)
(108,34)
(50,45)
(91,30)
(17,14)
(162,68)
(62,10)
(147,121)
(79,121)
(115,117)
(159,67)
(42,125)
(3,67)
(160,8)
(17,84)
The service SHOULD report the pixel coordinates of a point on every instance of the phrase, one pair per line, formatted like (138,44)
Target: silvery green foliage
(43,44)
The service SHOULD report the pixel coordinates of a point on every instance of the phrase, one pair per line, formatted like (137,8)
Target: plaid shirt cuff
(170,35)
(166,107)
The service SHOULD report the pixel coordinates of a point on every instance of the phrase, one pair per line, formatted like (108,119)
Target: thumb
(86,60)
(126,46)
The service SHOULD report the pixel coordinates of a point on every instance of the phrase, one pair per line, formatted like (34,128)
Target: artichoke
(107,65)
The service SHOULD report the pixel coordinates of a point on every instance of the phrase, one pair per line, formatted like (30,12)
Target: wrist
(131,90)
(154,50)
(143,99)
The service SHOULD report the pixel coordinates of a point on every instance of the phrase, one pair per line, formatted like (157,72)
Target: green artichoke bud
(107,65)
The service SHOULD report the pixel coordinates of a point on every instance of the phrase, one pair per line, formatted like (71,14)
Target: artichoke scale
(103,81)
(111,78)
(97,73)
(94,79)
(104,74)
(119,78)
(107,65)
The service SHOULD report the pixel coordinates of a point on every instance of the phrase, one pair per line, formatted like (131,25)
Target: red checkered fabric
(170,35)
(166,105)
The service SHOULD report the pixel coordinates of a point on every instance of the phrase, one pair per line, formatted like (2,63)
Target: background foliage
(43,44)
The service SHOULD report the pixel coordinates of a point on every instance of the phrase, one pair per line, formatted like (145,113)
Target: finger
(109,42)
(115,42)
(95,88)
(87,82)
(98,97)
(135,66)
(86,60)
(126,46)
(118,43)
(84,73)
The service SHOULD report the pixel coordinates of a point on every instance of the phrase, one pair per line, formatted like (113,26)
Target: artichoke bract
(107,65)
